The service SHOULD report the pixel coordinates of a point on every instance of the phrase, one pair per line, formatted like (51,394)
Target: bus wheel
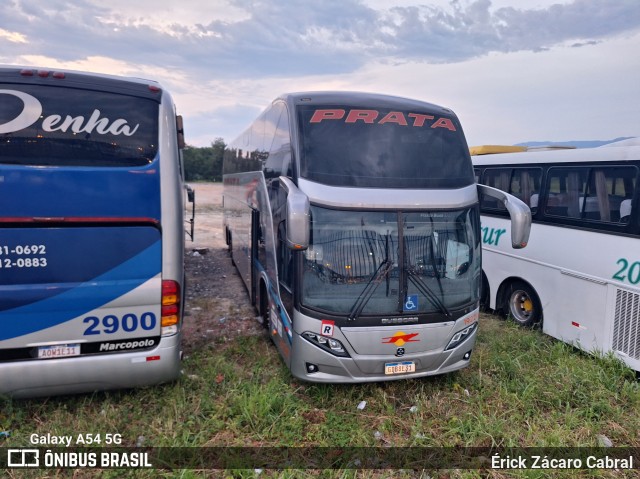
(264,305)
(523,304)
(230,249)
(484,294)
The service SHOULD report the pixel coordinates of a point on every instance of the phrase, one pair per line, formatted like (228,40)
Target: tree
(204,163)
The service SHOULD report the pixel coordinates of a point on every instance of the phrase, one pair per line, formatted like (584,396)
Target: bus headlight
(330,345)
(461,336)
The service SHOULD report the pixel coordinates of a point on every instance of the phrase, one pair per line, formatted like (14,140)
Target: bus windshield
(55,126)
(391,262)
(378,148)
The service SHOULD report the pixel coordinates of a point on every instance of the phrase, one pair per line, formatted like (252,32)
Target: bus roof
(494,149)
(579,155)
(360,99)
(634,141)
(76,79)
(491,149)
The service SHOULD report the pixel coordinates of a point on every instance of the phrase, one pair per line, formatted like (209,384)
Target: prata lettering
(32,111)
(371,117)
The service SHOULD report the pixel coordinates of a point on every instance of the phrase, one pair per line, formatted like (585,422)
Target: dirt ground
(217,307)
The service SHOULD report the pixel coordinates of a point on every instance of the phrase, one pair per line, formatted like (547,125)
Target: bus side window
(498,178)
(525,185)
(277,143)
(625,211)
(565,187)
(600,194)
(285,257)
(606,192)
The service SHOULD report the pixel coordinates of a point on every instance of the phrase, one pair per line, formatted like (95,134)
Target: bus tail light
(170,307)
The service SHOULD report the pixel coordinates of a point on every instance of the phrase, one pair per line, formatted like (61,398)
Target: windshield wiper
(415,278)
(370,288)
(432,254)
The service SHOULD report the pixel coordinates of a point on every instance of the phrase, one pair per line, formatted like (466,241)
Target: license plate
(58,351)
(400,368)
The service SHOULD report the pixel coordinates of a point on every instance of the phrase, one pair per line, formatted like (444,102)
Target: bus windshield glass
(389,263)
(56,126)
(379,148)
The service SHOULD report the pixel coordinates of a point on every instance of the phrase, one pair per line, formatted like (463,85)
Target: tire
(264,306)
(484,294)
(523,305)
(230,249)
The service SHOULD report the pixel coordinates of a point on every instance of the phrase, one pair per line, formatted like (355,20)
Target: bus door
(256,239)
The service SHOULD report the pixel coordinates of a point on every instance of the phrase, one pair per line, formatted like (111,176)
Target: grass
(522,389)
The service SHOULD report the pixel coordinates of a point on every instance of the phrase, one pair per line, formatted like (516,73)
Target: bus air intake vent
(626,325)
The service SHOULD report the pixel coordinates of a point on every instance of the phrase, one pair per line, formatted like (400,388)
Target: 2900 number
(111,323)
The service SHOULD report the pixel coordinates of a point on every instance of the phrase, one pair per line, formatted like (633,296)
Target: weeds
(522,389)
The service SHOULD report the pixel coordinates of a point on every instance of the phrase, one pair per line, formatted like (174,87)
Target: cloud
(297,37)
(13,37)
(472,29)
(224,60)
(584,44)
(226,122)
(581,19)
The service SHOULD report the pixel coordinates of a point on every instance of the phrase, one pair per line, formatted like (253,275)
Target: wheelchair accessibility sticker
(411,303)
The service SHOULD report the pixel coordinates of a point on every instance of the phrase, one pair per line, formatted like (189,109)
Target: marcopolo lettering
(374,116)
(119,346)
(32,112)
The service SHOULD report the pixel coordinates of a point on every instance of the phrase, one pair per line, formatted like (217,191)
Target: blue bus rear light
(461,336)
(170,307)
(330,345)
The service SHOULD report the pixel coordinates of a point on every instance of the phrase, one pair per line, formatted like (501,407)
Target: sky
(512,70)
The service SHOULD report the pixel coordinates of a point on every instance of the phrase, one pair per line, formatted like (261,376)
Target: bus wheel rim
(521,306)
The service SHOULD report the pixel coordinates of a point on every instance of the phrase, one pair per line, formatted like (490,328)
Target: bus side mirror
(298,219)
(180,132)
(519,212)
(191,198)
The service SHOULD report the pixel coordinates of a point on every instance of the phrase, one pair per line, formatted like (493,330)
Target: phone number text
(7,263)
(33,249)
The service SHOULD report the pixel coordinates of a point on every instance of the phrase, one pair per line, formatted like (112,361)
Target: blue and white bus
(353,220)
(91,233)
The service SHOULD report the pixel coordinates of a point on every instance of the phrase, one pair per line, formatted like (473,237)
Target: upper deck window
(382,148)
(55,126)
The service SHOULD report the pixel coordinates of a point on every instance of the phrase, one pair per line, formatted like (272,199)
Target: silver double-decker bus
(353,221)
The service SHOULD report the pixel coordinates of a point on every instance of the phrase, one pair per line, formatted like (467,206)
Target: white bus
(353,221)
(91,233)
(580,275)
